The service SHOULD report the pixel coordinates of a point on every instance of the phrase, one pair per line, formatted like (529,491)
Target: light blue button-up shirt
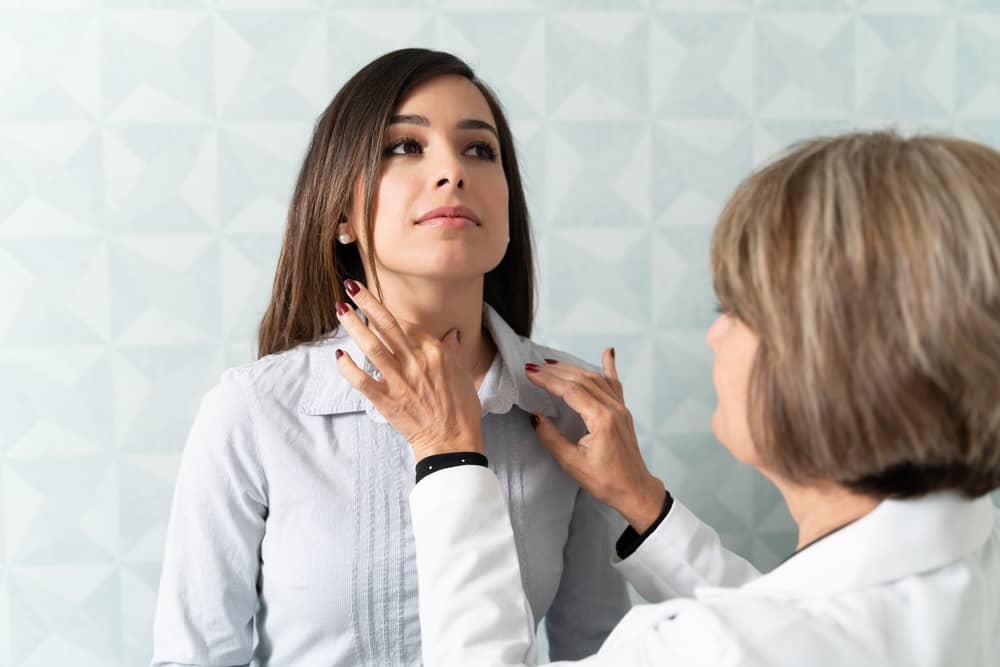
(290,540)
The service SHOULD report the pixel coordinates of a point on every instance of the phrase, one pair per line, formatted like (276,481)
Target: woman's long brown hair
(346,146)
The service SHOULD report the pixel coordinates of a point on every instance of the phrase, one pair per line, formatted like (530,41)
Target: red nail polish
(338,354)
(534,421)
(352,287)
(612,353)
(552,361)
(342,308)
(531,368)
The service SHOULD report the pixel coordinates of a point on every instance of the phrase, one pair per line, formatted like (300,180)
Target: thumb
(451,342)
(555,443)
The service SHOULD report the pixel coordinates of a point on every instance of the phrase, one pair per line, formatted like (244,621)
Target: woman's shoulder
(287,377)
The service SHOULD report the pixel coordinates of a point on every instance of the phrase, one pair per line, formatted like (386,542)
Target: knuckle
(604,420)
(422,362)
(365,383)
(433,352)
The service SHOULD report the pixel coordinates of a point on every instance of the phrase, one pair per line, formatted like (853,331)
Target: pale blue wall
(147,151)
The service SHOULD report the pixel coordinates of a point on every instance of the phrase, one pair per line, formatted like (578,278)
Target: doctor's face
(735,347)
(441,204)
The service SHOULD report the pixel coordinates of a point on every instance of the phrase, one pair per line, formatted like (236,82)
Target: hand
(424,392)
(607,461)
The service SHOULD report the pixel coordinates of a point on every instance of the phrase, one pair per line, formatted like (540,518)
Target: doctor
(857,366)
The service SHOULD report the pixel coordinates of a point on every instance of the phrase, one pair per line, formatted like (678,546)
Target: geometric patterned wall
(147,154)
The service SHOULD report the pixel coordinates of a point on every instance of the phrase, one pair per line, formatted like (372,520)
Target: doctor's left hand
(424,392)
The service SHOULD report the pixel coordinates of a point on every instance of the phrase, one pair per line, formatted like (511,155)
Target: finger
(380,319)
(376,351)
(452,343)
(609,383)
(597,383)
(565,453)
(372,389)
(581,398)
(611,372)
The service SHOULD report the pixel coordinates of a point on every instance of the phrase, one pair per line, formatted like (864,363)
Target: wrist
(455,446)
(643,508)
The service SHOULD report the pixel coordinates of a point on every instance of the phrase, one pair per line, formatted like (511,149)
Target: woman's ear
(345,235)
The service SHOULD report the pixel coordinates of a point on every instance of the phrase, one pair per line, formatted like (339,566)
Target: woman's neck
(438,306)
(823,508)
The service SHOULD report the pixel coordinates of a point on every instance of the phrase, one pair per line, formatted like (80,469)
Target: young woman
(290,540)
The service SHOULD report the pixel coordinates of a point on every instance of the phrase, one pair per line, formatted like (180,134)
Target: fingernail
(342,308)
(352,287)
(338,354)
(535,421)
(531,368)
(552,361)
(612,353)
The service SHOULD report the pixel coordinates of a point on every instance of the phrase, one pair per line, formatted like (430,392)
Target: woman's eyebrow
(465,124)
(474,124)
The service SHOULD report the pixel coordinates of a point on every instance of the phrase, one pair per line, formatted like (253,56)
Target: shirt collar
(899,538)
(504,386)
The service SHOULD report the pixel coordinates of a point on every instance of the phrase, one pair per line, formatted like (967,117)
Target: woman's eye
(404,147)
(483,150)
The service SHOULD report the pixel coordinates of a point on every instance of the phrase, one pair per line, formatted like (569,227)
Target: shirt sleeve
(592,596)
(208,586)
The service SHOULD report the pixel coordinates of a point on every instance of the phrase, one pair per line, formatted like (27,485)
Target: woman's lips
(449,217)
(448,223)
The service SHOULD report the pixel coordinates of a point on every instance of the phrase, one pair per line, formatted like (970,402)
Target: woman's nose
(445,180)
(451,172)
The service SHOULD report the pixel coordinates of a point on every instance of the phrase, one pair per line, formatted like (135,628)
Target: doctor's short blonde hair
(869,267)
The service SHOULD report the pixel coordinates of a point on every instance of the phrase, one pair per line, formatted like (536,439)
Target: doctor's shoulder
(735,630)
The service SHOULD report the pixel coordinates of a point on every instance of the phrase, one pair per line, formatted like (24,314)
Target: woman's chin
(448,264)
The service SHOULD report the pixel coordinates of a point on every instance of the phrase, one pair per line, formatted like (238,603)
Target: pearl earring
(344,238)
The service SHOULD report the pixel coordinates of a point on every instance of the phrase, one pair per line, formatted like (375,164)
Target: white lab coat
(912,584)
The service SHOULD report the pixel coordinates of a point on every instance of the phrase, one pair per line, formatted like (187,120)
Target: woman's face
(735,347)
(440,207)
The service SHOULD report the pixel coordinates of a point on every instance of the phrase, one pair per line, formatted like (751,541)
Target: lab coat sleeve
(473,611)
(208,586)
(682,554)
(592,596)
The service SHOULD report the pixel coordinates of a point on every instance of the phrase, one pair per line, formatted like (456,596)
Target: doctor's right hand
(606,461)
(424,392)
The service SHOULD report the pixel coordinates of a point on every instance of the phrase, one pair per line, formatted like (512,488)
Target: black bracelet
(435,462)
